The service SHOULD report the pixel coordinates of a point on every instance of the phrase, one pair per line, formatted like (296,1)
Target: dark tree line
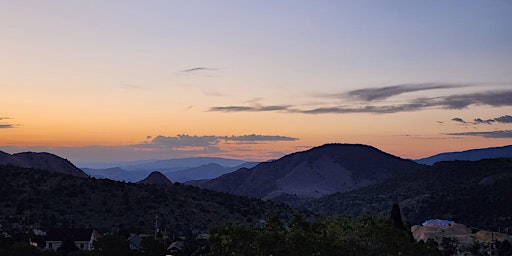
(368,235)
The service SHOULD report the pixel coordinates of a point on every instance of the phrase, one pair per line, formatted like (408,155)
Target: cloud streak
(497,98)
(371,94)
(485,134)
(6,125)
(257,108)
(197,69)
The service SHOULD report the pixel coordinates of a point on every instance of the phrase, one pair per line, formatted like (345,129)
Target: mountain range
(196,170)
(314,173)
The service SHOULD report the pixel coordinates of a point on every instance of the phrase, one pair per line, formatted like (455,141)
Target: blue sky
(116,74)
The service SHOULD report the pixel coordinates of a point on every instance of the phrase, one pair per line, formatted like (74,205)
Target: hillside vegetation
(476,193)
(29,197)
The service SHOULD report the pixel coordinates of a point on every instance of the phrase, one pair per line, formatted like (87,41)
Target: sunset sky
(96,81)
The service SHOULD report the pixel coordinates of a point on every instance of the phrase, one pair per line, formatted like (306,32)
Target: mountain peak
(43,161)
(156,178)
(316,172)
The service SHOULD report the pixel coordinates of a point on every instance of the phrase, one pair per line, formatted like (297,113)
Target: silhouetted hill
(476,193)
(314,173)
(473,155)
(59,200)
(43,161)
(156,178)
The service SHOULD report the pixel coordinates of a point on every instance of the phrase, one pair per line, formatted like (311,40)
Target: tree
(396,217)
(112,245)
(67,246)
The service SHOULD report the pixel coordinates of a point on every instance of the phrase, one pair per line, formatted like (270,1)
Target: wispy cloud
(6,125)
(498,98)
(371,94)
(197,69)
(485,134)
(255,108)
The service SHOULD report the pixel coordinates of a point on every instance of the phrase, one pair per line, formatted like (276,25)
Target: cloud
(259,138)
(458,120)
(481,121)
(373,100)
(196,69)
(371,94)
(504,119)
(182,141)
(489,134)
(255,108)
(6,125)
(491,98)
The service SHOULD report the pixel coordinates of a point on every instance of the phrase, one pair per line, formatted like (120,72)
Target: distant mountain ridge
(43,161)
(205,171)
(471,155)
(314,173)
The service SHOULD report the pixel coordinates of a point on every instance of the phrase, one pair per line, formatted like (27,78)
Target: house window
(82,246)
(50,245)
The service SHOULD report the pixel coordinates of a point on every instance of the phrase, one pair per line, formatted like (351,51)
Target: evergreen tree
(396,217)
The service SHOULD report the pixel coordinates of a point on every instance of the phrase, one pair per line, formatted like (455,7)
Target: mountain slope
(43,161)
(314,173)
(55,199)
(473,155)
(476,193)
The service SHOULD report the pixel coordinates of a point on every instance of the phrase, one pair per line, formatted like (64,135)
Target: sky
(100,81)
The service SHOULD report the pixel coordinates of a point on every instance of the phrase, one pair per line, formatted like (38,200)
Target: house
(83,238)
(134,241)
(176,247)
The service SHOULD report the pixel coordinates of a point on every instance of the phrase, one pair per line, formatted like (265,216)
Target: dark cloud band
(371,94)
(489,134)
(490,98)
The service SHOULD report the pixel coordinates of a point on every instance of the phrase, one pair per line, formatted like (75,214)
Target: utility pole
(156,225)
